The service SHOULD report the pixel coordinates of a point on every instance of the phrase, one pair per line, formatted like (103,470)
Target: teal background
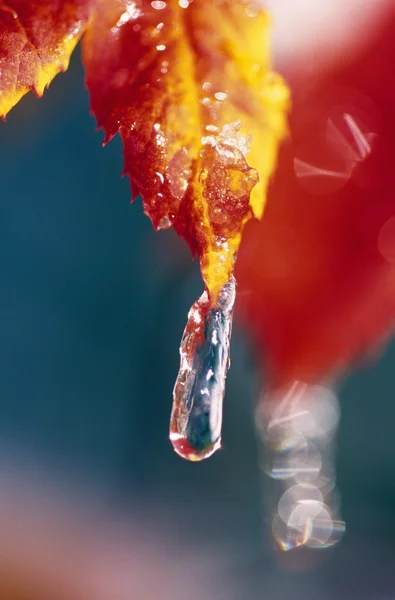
(92,306)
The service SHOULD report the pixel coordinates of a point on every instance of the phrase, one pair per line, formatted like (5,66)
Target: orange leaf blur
(37,38)
(188,86)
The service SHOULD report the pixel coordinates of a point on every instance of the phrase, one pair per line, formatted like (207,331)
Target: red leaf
(175,80)
(317,275)
(37,38)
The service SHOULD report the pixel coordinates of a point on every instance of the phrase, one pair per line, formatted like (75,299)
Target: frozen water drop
(196,419)
(165,223)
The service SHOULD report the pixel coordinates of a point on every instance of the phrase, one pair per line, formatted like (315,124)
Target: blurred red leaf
(317,275)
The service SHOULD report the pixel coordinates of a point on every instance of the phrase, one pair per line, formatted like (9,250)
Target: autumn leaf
(189,88)
(37,38)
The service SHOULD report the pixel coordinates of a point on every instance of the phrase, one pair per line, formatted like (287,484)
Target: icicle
(196,419)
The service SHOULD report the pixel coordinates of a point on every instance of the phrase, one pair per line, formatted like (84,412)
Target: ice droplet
(196,418)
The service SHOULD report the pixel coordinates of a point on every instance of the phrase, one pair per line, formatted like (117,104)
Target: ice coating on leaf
(221,203)
(37,38)
(188,86)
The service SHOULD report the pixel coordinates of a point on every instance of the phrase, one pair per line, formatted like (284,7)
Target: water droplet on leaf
(165,223)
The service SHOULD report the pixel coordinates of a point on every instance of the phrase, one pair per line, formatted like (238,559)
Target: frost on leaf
(188,87)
